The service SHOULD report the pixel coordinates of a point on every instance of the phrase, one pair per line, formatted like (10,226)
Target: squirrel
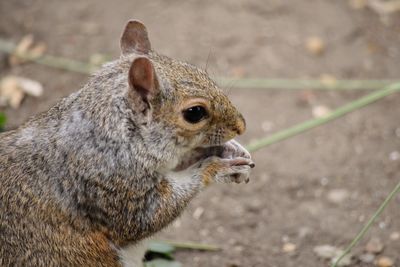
(88,181)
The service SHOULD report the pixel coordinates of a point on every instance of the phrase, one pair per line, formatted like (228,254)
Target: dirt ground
(291,197)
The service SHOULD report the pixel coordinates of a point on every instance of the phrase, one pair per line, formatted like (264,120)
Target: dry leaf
(38,50)
(21,48)
(25,43)
(10,93)
(26,46)
(30,87)
(13,90)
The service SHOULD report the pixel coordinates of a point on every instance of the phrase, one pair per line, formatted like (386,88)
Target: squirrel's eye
(195,114)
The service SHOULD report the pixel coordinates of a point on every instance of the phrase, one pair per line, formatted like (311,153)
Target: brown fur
(99,170)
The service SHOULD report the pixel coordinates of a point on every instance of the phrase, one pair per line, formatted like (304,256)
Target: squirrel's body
(83,183)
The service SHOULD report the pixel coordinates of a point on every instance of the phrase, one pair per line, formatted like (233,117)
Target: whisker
(208,59)
(229,87)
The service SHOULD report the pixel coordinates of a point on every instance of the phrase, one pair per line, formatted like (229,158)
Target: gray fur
(93,174)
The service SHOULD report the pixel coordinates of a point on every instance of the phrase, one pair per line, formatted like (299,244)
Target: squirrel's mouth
(228,150)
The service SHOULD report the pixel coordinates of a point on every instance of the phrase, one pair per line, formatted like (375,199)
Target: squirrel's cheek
(192,139)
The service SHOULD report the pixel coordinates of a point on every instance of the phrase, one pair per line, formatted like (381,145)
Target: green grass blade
(299,84)
(307,125)
(368,225)
(243,83)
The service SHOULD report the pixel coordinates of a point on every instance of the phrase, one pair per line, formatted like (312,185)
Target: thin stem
(55,62)
(242,83)
(368,225)
(300,84)
(307,125)
(391,87)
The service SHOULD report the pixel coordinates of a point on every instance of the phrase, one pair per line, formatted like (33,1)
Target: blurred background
(309,193)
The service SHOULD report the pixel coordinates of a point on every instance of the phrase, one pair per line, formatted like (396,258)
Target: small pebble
(345,261)
(325,251)
(198,213)
(315,45)
(384,262)
(289,247)
(395,155)
(397,132)
(324,181)
(337,196)
(374,246)
(333,253)
(395,236)
(367,258)
(320,111)
(267,126)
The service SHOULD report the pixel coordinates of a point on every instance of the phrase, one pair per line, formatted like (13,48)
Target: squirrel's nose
(240,125)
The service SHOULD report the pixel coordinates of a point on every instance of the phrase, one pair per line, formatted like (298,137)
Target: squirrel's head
(177,96)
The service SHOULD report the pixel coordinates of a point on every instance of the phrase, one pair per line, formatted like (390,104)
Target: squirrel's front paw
(226,170)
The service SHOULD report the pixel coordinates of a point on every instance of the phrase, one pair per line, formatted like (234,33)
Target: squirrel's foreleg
(167,199)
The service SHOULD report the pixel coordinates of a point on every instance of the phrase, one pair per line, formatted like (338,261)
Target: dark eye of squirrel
(195,114)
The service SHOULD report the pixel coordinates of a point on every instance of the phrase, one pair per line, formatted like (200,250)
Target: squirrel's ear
(142,82)
(135,38)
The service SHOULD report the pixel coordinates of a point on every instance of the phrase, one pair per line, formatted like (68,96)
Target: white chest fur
(132,255)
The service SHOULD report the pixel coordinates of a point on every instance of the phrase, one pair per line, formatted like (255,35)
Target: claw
(240,161)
